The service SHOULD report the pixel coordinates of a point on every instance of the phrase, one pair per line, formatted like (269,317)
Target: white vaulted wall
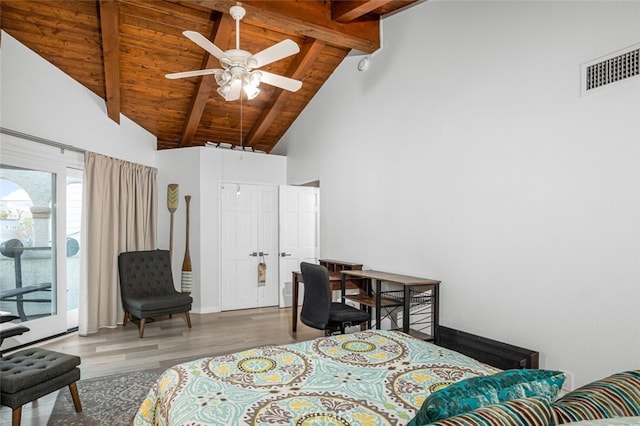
(466,154)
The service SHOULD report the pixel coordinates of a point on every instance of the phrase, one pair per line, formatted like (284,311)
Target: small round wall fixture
(363,64)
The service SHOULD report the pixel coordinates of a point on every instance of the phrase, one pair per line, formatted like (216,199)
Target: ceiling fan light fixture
(252,78)
(224,90)
(251,91)
(222,77)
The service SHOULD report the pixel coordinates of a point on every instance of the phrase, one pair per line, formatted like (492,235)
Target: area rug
(109,400)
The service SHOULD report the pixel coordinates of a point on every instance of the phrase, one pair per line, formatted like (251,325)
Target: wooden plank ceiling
(122,49)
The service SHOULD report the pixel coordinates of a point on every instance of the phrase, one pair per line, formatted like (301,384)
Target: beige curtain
(121,210)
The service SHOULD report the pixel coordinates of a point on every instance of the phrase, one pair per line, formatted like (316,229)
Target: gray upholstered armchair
(146,287)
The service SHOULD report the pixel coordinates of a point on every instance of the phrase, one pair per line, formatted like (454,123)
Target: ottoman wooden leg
(143,321)
(16,416)
(75,396)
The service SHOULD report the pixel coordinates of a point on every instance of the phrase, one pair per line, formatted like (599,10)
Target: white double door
(277,225)
(248,235)
(299,235)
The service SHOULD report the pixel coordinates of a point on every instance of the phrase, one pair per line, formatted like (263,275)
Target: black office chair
(318,311)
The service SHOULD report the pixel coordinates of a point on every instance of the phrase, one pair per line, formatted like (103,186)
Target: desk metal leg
(406,305)
(436,311)
(378,303)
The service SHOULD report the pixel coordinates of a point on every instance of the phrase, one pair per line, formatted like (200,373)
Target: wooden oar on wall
(172,205)
(187,274)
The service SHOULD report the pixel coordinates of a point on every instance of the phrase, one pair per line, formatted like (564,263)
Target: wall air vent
(611,69)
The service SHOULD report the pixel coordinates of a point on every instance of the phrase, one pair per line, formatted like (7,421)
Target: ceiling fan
(238,65)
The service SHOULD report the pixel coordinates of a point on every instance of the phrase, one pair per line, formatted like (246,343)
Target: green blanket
(374,377)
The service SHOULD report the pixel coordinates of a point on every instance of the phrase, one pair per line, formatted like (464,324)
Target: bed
(372,377)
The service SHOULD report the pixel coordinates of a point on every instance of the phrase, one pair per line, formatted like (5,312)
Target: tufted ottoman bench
(32,373)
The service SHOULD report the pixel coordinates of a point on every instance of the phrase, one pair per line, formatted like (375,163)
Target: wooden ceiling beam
(302,63)
(349,10)
(110,35)
(220,35)
(311,19)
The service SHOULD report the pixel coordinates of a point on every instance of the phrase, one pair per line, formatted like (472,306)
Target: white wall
(181,167)
(198,172)
(466,154)
(40,100)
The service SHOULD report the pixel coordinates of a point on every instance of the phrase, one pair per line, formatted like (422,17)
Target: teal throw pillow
(475,392)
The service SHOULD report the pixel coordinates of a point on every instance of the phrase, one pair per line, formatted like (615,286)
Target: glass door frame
(17,152)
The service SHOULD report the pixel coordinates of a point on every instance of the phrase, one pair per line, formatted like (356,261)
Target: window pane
(27,261)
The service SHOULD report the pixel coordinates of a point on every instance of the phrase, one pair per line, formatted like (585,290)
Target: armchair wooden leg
(73,388)
(126,319)
(16,416)
(186,314)
(142,324)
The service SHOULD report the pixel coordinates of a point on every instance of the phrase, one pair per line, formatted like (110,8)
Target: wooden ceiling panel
(159,28)
(79,37)
(65,36)
(54,13)
(167,13)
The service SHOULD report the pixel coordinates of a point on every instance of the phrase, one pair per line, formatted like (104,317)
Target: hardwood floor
(166,342)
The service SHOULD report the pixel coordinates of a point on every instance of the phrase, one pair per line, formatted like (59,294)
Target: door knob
(254,254)
(283,254)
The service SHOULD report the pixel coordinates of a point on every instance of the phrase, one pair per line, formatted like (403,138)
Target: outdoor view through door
(36,272)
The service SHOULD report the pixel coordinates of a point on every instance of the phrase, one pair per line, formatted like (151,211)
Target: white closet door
(268,243)
(249,229)
(239,241)
(299,234)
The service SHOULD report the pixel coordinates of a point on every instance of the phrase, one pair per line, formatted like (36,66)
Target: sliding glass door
(40,245)
(28,263)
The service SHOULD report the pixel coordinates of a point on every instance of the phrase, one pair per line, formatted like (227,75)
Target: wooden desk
(335,280)
(373,296)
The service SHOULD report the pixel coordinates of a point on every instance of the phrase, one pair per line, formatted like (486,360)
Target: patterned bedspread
(374,377)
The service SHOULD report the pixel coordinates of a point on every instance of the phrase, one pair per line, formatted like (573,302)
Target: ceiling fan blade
(276,52)
(205,43)
(280,81)
(190,73)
